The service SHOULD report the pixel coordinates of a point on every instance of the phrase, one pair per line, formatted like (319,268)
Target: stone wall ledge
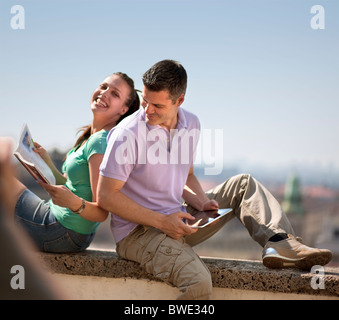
(231,274)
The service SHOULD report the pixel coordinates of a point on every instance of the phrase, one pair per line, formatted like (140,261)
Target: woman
(68,222)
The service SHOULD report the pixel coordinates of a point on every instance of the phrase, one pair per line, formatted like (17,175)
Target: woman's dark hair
(133,104)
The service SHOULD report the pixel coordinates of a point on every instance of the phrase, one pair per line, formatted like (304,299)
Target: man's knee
(176,262)
(201,290)
(192,277)
(241,179)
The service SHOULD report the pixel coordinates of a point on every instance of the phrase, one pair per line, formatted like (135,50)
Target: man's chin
(151,121)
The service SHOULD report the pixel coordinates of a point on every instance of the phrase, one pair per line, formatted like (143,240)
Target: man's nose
(148,108)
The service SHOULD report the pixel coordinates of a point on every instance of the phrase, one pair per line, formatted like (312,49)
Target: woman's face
(109,99)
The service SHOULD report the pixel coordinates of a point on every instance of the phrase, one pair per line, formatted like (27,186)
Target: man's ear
(180,100)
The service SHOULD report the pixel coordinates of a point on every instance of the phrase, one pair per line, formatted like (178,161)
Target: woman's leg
(17,189)
(10,187)
(36,217)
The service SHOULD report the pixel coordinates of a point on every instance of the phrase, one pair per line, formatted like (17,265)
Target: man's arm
(111,198)
(194,195)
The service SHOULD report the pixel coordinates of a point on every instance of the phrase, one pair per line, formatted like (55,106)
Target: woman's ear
(123,110)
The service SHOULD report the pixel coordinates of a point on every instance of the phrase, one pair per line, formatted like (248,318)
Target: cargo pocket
(140,244)
(165,259)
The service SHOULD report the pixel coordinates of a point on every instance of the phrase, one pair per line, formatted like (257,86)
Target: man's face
(160,109)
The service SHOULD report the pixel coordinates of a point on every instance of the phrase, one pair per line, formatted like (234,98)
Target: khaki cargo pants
(175,262)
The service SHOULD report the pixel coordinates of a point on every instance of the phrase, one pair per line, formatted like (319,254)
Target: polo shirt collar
(182,121)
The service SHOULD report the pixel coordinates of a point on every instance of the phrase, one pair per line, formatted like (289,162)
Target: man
(144,174)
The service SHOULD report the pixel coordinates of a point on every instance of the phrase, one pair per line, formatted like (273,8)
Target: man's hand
(210,205)
(174,226)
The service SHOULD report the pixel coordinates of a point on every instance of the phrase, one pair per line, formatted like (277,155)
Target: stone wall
(226,274)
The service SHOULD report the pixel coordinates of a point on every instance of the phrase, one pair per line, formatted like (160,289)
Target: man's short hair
(167,75)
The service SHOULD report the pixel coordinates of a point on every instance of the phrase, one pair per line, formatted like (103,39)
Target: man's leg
(171,260)
(265,221)
(253,205)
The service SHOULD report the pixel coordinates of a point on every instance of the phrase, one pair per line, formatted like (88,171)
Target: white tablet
(205,218)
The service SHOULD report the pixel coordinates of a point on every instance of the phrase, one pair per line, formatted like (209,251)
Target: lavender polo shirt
(153,163)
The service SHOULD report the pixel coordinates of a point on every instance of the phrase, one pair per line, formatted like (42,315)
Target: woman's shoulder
(97,142)
(102,134)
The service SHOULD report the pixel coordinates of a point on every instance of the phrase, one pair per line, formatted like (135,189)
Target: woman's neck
(98,126)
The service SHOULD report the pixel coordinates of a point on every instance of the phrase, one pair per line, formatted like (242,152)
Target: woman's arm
(59,177)
(63,197)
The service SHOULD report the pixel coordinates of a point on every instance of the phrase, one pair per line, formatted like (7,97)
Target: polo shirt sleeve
(120,155)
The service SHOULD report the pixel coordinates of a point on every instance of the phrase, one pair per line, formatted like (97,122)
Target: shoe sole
(279,262)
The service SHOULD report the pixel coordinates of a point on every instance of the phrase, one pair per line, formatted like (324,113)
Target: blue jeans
(48,234)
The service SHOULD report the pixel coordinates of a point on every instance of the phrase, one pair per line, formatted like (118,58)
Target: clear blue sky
(256,69)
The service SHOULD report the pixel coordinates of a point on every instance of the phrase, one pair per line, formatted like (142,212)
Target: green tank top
(78,181)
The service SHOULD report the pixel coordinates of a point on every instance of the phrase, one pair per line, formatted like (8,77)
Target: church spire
(292,203)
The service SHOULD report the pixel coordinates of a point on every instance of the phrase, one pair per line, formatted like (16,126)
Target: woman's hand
(59,177)
(42,152)
(62,196)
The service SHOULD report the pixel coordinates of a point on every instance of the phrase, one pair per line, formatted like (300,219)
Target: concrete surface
(231,278)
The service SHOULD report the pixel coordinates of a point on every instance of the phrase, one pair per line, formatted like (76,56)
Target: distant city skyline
(264,72)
